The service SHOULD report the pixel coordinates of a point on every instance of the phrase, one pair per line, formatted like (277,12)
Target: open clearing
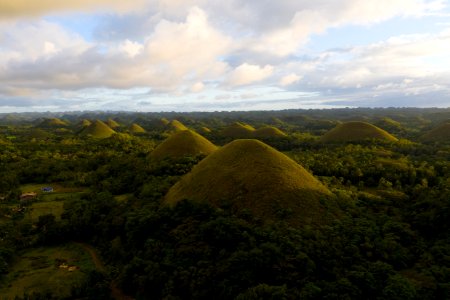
(37,270)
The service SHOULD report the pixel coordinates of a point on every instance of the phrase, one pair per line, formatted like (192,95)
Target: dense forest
(95,185)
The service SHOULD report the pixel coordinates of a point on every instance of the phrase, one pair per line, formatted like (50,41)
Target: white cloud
(26,8)
(289,79)
(131,48)
(178,47)
(197,87)
(246,74)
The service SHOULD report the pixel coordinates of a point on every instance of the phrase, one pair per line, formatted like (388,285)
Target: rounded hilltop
(98,130)
(356,131)
(250,175)
(183,143)
(176,125)
(52,123)
(268,132)
(205,130)
(238,130)
(135,128)
(84,123)
(112,124)
(439,134)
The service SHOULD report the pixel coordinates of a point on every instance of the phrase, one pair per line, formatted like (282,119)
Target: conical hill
(176,125)
(84,123)
(356,131)
(205,130)
(112,124)
(238,130)
(135,128)
(98,130)
(438,134)
(52,123)
(39,134)
(183,143)
(250,175)
(268,132)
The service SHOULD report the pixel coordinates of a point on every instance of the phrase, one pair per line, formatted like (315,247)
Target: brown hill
(98,130)
(268,132)
(176,125)
(52,123)
(135,128)
(84,123)
(438,134)
(39,134)
(238,130)
(356,131)
(183,143)
(205,130)
(250,175)
(112,124)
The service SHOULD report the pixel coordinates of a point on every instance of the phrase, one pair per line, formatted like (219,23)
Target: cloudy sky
(185,55)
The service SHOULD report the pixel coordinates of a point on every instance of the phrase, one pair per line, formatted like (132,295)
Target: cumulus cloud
(289,79)
(27,8)
(174,55)
(179,47)
(197,87)
(246,74)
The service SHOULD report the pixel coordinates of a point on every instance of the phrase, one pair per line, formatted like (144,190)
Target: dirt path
(116,293)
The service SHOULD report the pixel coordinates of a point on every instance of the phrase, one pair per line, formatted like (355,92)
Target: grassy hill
(250,175)
(135,128)
(183,143)
(112,124)
(52,123)
(268,132)
(39,134)
(205,130)
(176,125)
(84,123)
(98,130)
(440,133)
(356,131)
(238,130)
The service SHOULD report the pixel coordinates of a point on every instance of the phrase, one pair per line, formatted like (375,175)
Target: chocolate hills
(84,123)
(238,130)
(112,124)
(98,130)
(205,129)
(250,175)
(176,125)
(268,132)
(183,143)
(39,134)
(438,134)
(52,123)
(356,131)
(135,128)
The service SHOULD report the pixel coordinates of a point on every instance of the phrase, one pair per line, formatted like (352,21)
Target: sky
(210,55)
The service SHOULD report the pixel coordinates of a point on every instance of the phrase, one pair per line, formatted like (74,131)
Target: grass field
(43,208)
(52,202)
(37,270)
(57,188)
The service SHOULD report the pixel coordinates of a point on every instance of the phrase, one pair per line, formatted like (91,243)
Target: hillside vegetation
(356,131)
(183,143)
(98,130)
(440,133)
(238,130)
(135,128)
(248,174)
